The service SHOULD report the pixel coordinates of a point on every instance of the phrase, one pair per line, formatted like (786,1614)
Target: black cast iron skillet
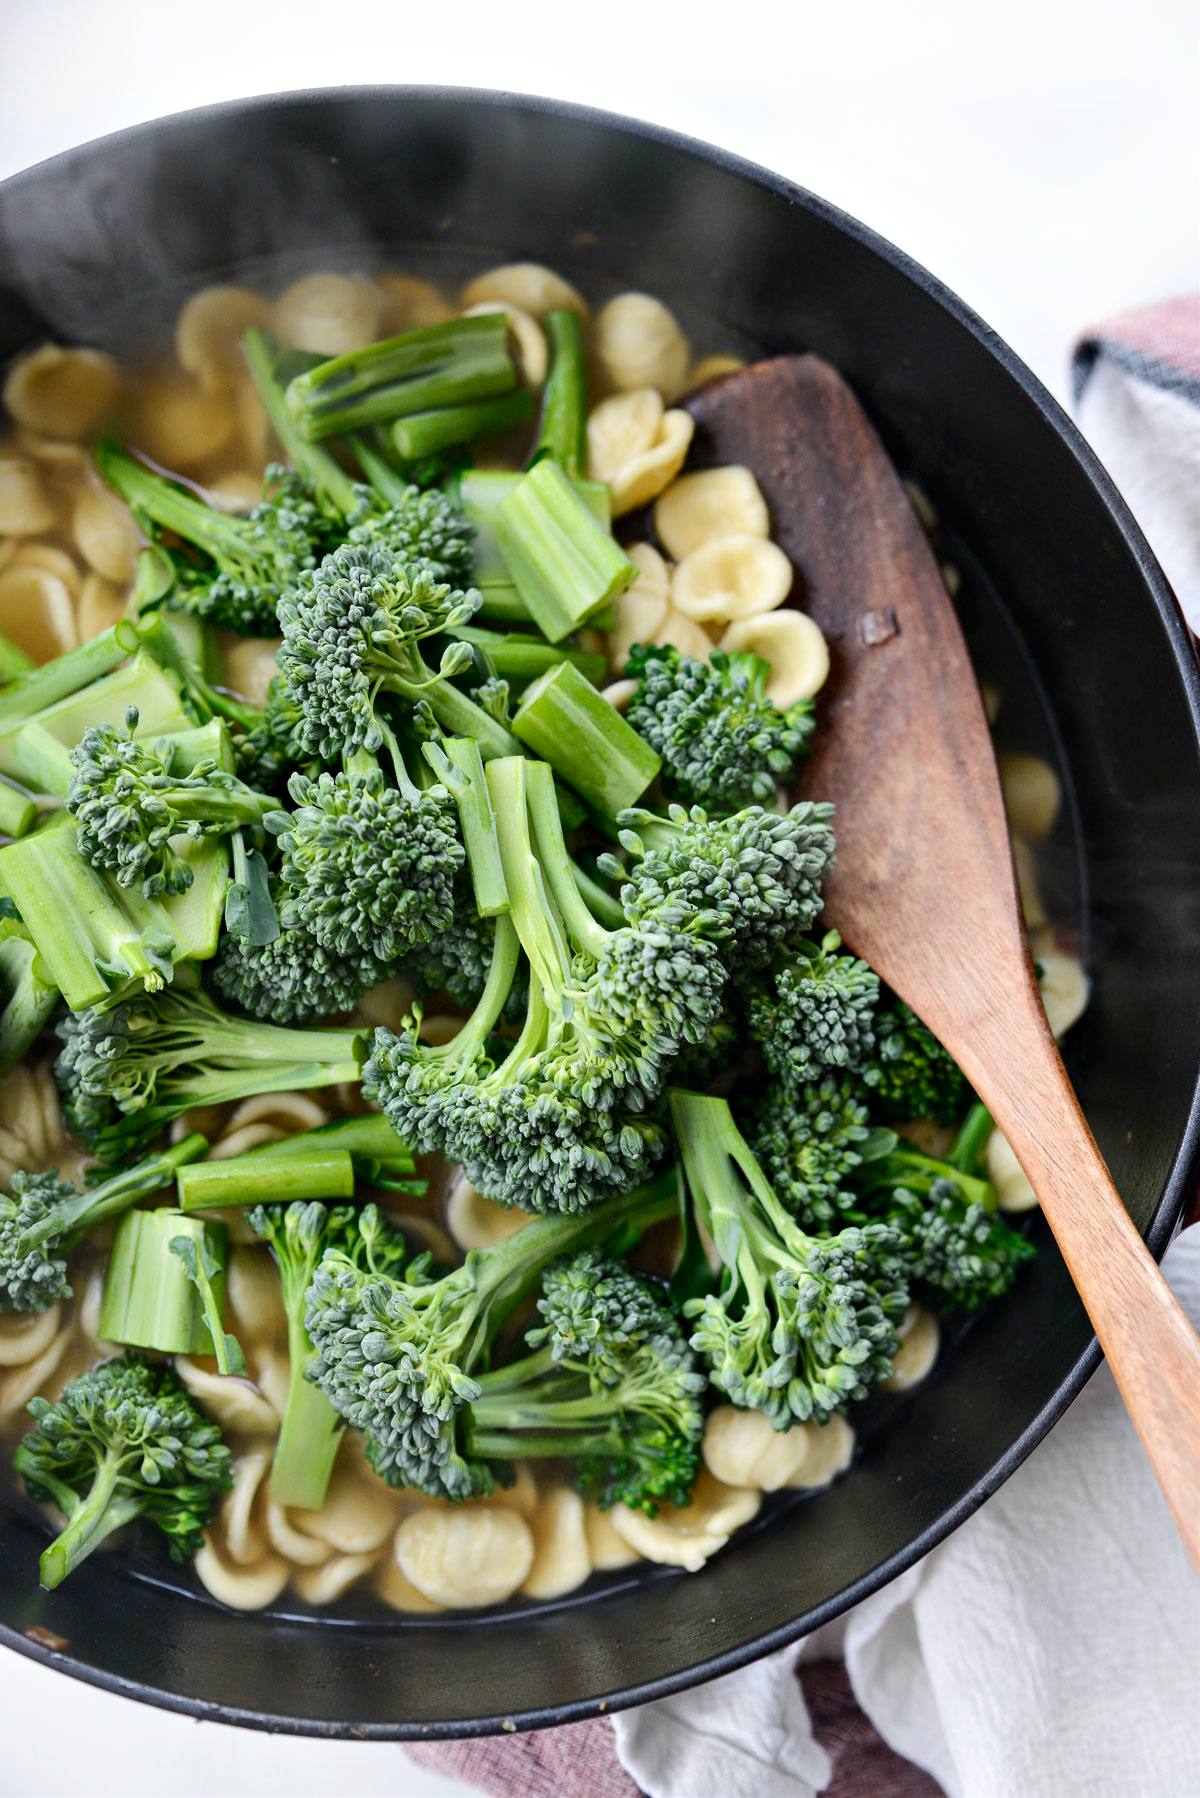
(1066,610)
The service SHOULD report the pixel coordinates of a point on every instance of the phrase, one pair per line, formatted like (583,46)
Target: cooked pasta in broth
(342,853)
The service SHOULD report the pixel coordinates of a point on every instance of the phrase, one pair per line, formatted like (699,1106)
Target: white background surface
(1039,156)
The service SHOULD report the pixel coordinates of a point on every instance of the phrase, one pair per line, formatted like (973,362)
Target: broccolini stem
(563,431)
(13,660)
(387,481)
(425,433)
(563,563)
(532,909)
(310,1432)
(566,721)
(459,766)
(170,506)
(317,465)
(370,1138)
(435,365)
(66,674)
(90,1520)
(116,1194)
(972,1138)
(255,1180)
(515,655)
(561,874)
(18,810)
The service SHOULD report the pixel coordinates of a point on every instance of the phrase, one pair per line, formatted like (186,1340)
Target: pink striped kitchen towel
(1046,1650)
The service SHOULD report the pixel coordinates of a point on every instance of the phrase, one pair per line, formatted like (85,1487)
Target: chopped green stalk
(87,939)
(150,1300)
(180,646)
(141,682)
(195,917)
(970,1143)
(435,365)
(566,721)
(316,464)
(564,564)
(479,492)
(263,1180)
(519,657)
(13,660)
(205,1268)
(388,482)
(18,810)
(27,994)
(380,1157)
(459,766)
(563,431)
(41,687)
(425,433)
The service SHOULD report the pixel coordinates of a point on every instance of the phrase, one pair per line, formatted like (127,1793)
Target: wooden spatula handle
(1151,1347)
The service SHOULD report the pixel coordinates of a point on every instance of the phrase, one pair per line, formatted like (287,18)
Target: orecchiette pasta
(642,609)
(688,1535)
(619,693)
(638,343)
(52,560)
(237,492)
(731,578)
(397,1590)
(1064,985)
(250,667)
(636,446)
(179,424)
(1032,795)
(253,1299)
(919,1341)
(711,368)
(475,1222)
(23,1383)
(208,334)
(530,338)
(794,646)
(241,1588)
(329,314)
(357,1517)
(291,1543)
(236,1406)
(333,1579)
(241,1539)
(1028,886)
(36,612)
(716,502)
(607,1551)
(741,1449)
(830,1451)
(25,1335)
(561,1560)
(688,637)
(409,301)
(1006,1174)
(467,1558)
(62,392)
(25,508)
(106,535)
(31,1126)
(526,284)
(388,1003)
(100,605)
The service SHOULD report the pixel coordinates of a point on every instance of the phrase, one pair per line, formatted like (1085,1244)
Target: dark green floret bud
(810,1139)
(122,1442)
(293,978)
(910,1075)
(723,744)
(815,1009)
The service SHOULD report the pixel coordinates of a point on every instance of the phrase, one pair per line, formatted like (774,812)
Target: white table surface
(1039,157)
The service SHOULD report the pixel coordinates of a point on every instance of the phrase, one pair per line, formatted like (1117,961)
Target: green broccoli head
(810,1138)
(33,1276)
(294,978)
(419,527)
(368,868)
(802,1324)
(129,800)
(123,1441)
(814,1010)
(612,1385)
(270,748)
(258,557)
(749,882)
(722,743)
(956,1253)
(352,628)
(910,1075)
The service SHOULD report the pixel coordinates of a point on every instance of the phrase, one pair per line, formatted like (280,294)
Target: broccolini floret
(42,1217)
(723,744)
(802,1324)
(910,1075)
(127,1073)
(293,978)
(129,797)
(400,1353)
(244,564)
(352,631)
(611,1384)
(811,1137)
(123,1441)
(814,1009)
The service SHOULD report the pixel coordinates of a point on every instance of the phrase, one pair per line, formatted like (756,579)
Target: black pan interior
(1065,610)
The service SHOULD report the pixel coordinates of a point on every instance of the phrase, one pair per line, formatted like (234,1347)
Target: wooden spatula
(923,887)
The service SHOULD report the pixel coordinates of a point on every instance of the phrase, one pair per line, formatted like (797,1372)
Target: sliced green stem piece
(317,465)
(34,691)
(520,657)
(565,720)
(18,810)
(150,1300)
(13,660)
(563,563)
(435,365)
(425,433)
(458,764)
(562,434)
(262,1180)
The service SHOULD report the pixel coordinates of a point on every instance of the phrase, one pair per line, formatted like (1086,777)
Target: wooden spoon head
(923,884)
